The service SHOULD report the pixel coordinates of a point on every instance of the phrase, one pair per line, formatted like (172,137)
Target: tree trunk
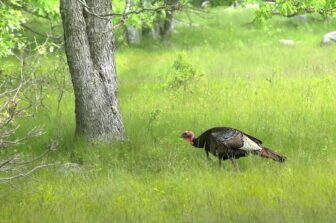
(132,34)
(89,47)
(165,24)
(168,23)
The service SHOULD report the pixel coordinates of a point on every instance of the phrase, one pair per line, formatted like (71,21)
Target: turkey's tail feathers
(267,153)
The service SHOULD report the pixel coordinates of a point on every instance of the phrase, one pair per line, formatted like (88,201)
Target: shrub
(183,74)
(215,3)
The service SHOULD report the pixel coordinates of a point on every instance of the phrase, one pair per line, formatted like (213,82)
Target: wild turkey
(228,143)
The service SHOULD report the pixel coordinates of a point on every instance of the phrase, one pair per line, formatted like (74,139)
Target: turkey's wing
(231,139)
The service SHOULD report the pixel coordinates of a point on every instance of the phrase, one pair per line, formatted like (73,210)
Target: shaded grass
(283,95)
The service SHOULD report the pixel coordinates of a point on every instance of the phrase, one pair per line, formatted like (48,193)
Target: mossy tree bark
(168,26)
(89,47)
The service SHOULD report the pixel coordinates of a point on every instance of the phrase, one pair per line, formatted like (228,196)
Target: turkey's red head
(188,135)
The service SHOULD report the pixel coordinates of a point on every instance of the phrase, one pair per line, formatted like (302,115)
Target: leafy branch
(291,8)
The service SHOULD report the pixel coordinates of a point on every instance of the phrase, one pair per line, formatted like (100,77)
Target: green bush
(184,74)
(197,3)
(215,3)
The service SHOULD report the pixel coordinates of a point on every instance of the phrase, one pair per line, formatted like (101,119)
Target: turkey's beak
(183,135)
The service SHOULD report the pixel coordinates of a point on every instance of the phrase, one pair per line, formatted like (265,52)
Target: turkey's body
(229,143)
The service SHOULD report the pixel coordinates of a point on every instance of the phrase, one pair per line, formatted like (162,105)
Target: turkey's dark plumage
(229,143)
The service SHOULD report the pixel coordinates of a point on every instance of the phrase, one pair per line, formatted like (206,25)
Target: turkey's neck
(195,142)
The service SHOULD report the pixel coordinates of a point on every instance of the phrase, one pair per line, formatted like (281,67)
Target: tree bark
(168,26)
(165,25)
(89,47)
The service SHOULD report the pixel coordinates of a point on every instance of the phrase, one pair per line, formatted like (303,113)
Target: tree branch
(88,10)
(51,147)
(40,34)
(32,133)
(25,9)
(126,11)
(158,9)
(124,16)
(4,163)
(5,179)
(307,11)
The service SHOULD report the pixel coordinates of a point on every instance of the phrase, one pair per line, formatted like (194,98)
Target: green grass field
(284,95)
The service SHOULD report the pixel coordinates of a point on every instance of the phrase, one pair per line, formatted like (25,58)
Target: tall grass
(283,95)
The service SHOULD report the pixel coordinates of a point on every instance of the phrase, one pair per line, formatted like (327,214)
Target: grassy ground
(282,94)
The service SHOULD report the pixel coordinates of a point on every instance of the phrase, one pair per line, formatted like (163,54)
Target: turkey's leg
(235,164)
(207,154)
(220,158)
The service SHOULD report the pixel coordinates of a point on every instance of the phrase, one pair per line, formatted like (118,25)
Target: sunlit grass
(283,95)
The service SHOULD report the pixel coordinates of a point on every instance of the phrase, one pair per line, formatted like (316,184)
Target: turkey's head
(188,135)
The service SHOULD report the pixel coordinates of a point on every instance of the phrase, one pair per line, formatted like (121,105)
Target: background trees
(90,43)
(91,55)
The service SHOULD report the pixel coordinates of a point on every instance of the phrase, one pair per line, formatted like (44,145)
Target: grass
(281,94)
